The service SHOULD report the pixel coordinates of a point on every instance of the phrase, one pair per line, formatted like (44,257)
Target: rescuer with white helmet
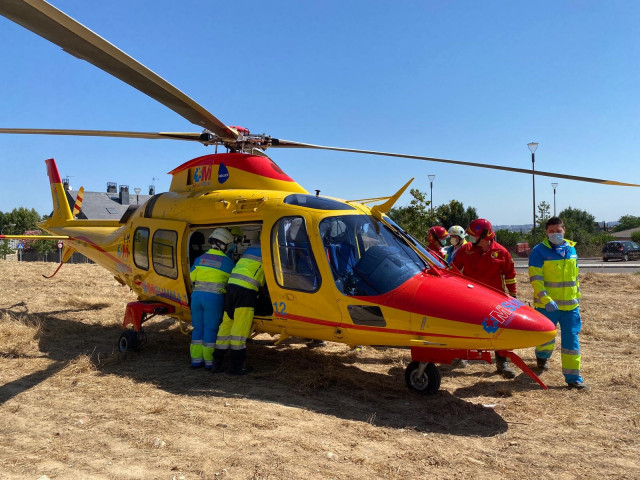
(457,238)
(209,276)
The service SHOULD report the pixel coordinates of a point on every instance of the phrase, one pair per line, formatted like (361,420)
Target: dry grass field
(72,407)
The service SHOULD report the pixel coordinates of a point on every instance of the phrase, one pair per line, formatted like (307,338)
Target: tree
(635,236)
(508,239)
(454,213)
(575,219)
(627,222)
(416,217)
(24,219)
(43,247)
(544,213)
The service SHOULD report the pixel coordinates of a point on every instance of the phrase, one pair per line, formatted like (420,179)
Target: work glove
(551,306)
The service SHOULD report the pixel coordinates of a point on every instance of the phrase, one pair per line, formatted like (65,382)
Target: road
(593,265)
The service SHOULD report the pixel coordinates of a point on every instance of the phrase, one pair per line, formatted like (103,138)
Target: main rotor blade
(197,137)
(76,39)
(278,143)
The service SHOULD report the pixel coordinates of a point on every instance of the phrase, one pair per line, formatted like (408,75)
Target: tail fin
(78,205)
(61,210)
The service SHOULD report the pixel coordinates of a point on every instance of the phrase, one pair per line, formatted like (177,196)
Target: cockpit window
(365,256)
(317,203)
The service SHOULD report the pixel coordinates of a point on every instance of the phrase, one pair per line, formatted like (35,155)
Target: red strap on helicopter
(51,276)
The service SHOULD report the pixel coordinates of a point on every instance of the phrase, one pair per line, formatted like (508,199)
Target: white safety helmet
(457,230)
(221,235)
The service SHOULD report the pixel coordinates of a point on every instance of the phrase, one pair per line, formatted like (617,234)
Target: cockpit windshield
(416,243)
(365,256)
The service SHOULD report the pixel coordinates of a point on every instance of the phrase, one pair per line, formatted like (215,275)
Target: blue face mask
(556,238)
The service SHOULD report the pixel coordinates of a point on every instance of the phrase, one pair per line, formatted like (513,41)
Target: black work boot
(504,367)
(218,361)
(543,363)
(236,363)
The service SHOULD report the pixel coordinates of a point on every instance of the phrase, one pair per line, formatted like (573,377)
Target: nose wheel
(422,377)
(130,340)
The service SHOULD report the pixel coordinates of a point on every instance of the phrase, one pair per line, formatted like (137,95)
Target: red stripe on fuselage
(317,321)
(262,166)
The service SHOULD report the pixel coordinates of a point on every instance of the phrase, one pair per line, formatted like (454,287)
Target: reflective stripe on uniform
(560,284)
(209,287)
(249,280)
(536,277)
(542,293)
(252,257)
(570,352)
(565,303)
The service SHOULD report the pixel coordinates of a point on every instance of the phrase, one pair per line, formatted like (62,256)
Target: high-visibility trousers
(237,319)
(206,315)
(570,326)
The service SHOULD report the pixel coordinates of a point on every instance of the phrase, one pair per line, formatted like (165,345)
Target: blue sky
(466,80)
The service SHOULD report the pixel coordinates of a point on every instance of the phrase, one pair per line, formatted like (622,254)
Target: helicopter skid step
(139,312)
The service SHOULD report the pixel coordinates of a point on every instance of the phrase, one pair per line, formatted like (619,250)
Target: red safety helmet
(481,228)
(437,233)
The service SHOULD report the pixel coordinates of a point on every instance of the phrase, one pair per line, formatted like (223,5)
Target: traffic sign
(20,246)
(59,243)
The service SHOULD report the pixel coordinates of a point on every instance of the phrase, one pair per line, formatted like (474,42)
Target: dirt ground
(72,407)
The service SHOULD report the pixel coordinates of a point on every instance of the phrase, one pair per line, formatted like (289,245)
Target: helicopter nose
(481,313)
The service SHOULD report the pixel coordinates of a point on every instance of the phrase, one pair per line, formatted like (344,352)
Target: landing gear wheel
(422,377)
(128,341)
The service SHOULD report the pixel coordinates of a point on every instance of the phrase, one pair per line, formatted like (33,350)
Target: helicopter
(336,270)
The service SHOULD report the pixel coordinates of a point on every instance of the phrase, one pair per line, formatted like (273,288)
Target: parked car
(622,249)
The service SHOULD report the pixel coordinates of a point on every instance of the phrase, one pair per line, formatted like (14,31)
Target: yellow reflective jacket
(553,273)
(248,272)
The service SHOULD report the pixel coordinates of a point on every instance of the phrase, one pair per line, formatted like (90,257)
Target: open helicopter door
(304,303)
(160,266)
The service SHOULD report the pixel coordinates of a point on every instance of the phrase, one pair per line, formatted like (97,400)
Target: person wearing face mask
(436,240)
(457,239)
(553,273)
(486,261)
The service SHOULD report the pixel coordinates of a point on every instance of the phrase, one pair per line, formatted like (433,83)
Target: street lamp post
(554,185)
(532,147)
(431,178)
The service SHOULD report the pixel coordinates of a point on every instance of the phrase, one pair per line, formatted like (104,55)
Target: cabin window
(141,248)
(163,249)
(293,262)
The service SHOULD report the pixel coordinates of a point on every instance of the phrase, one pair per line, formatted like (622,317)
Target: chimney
(124,194)
(112,187)
(65,184)
(152,189)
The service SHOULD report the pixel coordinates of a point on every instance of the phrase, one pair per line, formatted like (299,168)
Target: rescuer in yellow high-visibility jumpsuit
(239,304)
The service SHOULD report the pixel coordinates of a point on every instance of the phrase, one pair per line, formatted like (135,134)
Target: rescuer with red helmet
(436,239)
(486,261)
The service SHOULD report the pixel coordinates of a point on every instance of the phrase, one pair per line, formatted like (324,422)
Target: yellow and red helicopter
(336,270)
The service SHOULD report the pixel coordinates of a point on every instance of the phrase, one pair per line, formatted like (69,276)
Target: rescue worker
(436,239)
(457,238)
(486,261)
(209,277)
(245,281)
(553,273)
